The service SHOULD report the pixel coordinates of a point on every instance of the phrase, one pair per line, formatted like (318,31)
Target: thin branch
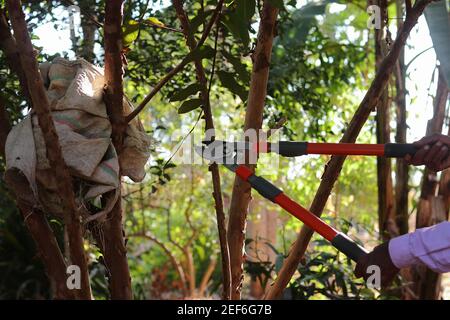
(179,67)
(209,125)
(41,108)
(206,277)
(417,56)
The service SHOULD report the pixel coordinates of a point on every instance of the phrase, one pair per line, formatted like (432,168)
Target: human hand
(432,151)
(379,257)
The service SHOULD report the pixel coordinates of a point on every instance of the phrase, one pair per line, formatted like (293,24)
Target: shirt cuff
(400,252)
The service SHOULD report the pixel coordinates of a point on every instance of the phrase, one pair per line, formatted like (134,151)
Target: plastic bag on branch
(75,92)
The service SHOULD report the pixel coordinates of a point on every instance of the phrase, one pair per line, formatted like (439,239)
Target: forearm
(429,246)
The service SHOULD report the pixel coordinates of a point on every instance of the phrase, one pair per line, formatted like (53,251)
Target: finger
(437,161)
(426,140)
(418,157)
(432,153)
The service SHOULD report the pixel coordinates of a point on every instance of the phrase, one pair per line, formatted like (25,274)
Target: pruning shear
(232,154)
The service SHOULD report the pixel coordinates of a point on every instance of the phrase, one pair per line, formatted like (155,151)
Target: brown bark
(42,110)
(402,168)
(334,166)
(384,170)
(48,251)
(431,208)
(5,127)
(241,195)
(9,48)
(114,249)
(209,125)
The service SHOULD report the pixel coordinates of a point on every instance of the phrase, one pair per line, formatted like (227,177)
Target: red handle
(346,149)
(307,217)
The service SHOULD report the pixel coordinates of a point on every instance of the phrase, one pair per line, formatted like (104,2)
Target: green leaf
(238,21)
(239,67)
(155,21)
(199,19)
(231,84)
(204,52)
(245,9)
(130,32)
(186,92)
(189,105)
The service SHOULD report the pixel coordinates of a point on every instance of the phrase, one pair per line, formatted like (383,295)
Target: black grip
(399,150)
(348,247)
(264,187)
(289,148)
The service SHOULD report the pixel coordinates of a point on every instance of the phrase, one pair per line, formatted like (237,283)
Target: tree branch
(114,248)
(5,127)
(334,166)
(9,47)
(48,251)
(42,109)
(179,67)
(209,125)
(241,195)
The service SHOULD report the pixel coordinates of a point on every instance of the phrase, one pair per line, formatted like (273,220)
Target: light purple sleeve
(429,246)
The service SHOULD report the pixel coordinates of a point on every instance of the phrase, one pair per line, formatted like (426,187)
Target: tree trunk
(114,249)
(241,194)
(402,168)
(41,108)
(334,166)
(384,171)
